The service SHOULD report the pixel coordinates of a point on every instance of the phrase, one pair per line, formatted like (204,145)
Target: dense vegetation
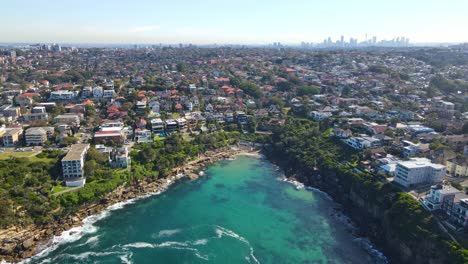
(308,151)
(25,188)
(150,160)
(27,184)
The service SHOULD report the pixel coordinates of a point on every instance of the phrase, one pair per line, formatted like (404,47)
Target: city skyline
(242,22)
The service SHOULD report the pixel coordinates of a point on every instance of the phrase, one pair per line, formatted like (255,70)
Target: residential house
(417,171)
(143,135)
(37,136)
(120,158)
(12,137)
(68,119)
(63,95)
(319,115)
(342,133)
(98,92)
(362,142)
(457,167)
(440,197)
(157,125)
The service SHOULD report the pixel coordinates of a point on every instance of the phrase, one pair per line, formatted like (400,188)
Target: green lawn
(59,188)
(7,155)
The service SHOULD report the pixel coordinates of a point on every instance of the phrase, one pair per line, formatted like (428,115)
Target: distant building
(108,94)
(120,158)
(37,136)
(98,92)
(460,213)
(440,197)
(73,164)
(241,117)
(157,125)
(11,137)
(72,120)
(63,95)
(171,126)
(363,142)
(458,167)
(418,171)
(143,135)
(319,115)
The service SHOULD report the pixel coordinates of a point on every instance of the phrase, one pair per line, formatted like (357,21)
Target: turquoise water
(237,213)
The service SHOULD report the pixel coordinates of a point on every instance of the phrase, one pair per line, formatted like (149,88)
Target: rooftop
(420,163)
(76,151)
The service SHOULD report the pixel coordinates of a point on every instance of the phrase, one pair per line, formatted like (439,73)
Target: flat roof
(420,163)
(75,152)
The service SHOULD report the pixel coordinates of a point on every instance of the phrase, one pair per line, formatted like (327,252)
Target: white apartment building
(440,197)
(37,136)
(98,92)
(157,125)
(63,95)
(363,142)
(72,165)
(418,171)
(108,94)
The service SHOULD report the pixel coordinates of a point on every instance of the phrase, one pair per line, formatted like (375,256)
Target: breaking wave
(87,227)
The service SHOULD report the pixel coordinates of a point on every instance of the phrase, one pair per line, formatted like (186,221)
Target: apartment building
(73,164)
(418,171)
(37,136)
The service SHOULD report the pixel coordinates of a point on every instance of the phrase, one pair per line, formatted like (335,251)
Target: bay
(239,212)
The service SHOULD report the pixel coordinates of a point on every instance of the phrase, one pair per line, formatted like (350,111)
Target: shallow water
(237,213)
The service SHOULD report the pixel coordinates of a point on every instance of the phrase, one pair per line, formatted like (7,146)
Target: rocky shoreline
(19,243)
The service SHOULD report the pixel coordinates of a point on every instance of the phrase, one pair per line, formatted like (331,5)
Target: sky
(230,22)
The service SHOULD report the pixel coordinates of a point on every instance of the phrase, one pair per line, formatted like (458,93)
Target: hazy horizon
(239,22)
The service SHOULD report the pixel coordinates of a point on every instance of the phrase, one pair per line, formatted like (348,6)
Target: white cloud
(145,28)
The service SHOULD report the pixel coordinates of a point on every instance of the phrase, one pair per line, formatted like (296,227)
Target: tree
(284,86)
(465,128)
(251,89)
(181,67)
(68,141)
(346,91)
(307,90)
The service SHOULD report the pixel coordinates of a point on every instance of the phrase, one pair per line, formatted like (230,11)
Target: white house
(319,115)
(98,92)
(418,171)
(108,94)
(440,197)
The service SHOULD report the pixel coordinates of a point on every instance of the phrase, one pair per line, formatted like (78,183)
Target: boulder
(7,249)
(28,243)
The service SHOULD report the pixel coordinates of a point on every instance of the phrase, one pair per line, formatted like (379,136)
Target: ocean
(239,212)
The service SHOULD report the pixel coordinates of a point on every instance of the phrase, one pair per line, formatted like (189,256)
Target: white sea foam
(171,245)
(139,245)
(87,226)
(126,258)
(220,231)
(168,232)
(200,242)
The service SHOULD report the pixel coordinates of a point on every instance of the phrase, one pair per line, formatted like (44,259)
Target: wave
(220,231)
(168,232)
(87,226)
(126,258)
(172,245)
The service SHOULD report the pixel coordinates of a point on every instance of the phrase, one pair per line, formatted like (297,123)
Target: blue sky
(234,21)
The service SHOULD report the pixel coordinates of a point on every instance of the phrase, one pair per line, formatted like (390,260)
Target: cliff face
(371,213)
